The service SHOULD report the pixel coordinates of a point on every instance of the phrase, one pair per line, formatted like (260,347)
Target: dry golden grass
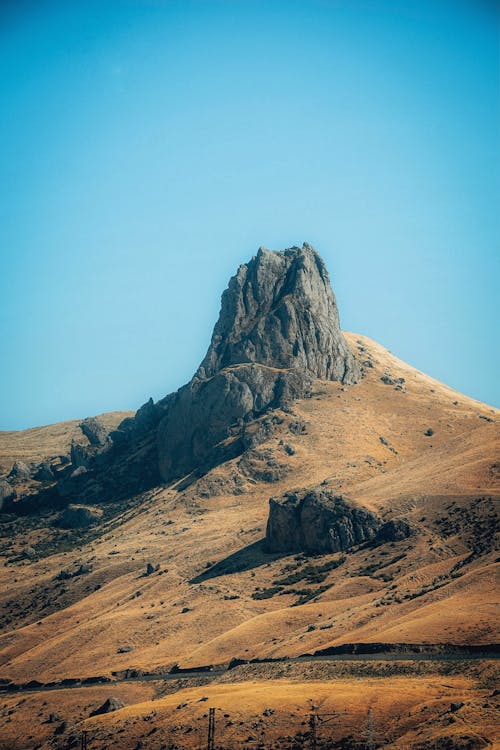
(369,598)
(40,443)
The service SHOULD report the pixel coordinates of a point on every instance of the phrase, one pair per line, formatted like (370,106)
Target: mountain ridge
(178,575)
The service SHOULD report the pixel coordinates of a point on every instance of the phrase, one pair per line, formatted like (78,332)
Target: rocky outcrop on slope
(278,329)
(204,421)
(7,493)
(317,521)
(279,310)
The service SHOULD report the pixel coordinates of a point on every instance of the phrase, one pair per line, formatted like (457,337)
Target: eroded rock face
(278,329)
(7,494)
(279,310)
(79,517)
(202,415)
(317,521)
(109,705)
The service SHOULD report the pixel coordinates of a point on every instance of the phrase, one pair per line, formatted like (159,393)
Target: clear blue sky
(148,148)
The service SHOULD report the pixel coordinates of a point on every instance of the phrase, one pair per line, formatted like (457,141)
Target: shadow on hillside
(252,556)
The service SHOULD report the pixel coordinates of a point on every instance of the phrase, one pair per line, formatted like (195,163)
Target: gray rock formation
(20,472)
(78,517)
(94,430)
(280,311)
(317,521)
(109,705)
(394,530)
(7,493)
(202,417)
(44,472)
(278,329)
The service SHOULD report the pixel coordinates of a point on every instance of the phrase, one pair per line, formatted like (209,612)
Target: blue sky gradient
(148,148)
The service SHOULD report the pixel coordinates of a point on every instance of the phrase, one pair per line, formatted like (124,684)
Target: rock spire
(279,310)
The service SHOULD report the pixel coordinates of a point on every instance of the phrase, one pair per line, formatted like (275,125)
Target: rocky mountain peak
(279,310)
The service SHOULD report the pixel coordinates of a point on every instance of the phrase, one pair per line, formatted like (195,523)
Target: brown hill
(154,581)
(215,594)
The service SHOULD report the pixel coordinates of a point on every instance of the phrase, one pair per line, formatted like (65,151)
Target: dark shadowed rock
(81,455)
(199,418)
(20,472)
(393,531)
(317,521)
(278,329)
(44,472)
(79,517)
(7,493)
(262,466)
(280,311)
(94,430)
(109,705)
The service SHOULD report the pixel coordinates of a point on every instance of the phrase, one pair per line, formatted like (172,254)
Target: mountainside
(306,492)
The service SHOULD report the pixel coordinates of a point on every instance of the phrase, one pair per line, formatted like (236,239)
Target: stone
(79,517)
(262,466)
(94,430)
(81,456)
(393,531)
(109,705)
(317,521)
(43,472)
(20,472)
(278,330)
(7,494)
(29,553)
(199,417)
(279,310)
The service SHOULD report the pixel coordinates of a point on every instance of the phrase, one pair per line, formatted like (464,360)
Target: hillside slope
(445,485)
(398,443)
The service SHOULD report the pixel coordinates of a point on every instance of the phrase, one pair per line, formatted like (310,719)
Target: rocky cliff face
(278,329)
(279,310)
(317,521)
(202,416)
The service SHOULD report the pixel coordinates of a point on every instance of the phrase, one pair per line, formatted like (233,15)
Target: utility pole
(84,740)
(312,731)
(370,742)
(211,729)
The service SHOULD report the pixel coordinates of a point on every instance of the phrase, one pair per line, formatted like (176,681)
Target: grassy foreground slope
(399,443)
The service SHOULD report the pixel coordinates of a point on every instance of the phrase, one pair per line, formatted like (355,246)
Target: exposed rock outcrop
(393,531)
(94,430)
(280,311)
(317,521)
(20,472)
(278,329)
(7,494)
(203,421)
(109,705)
(79,517)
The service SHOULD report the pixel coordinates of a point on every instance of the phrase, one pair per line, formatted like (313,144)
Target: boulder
(317,521)
(79,517)
(109,705)
(393,531)
(44,472)
(7,493)
(20,472)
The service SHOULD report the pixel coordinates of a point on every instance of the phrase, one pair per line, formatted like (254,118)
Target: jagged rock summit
(279,310)
(278,329)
